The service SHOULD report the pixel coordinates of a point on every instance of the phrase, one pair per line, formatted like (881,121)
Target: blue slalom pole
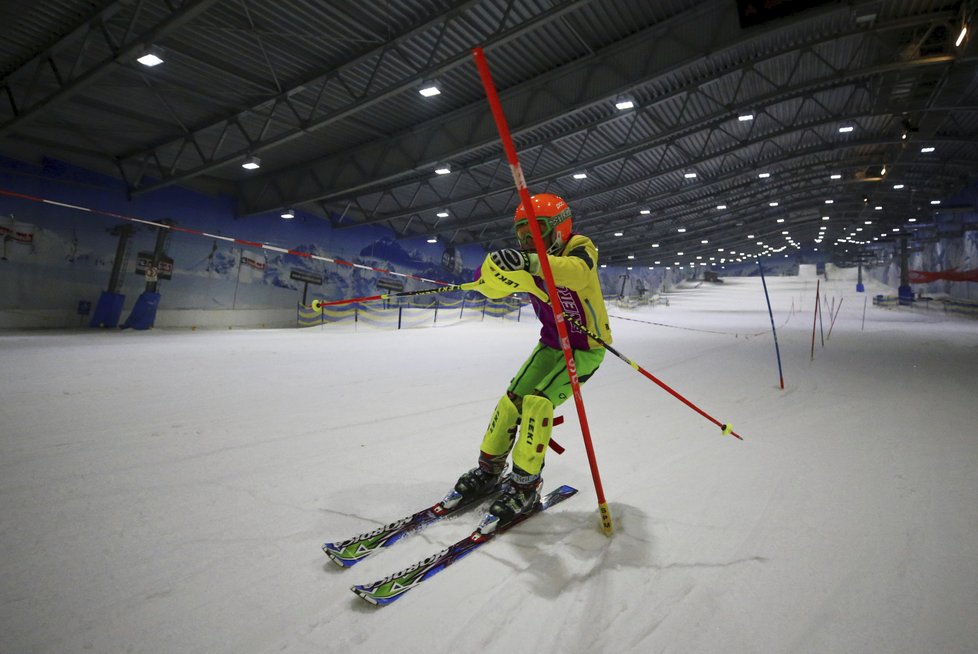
(777,350)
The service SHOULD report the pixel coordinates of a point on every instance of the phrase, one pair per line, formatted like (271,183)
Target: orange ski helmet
(554,217)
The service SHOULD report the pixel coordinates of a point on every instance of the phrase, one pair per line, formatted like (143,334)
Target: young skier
(542,382)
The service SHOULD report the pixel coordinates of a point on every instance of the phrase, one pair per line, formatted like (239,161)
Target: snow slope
(168,491)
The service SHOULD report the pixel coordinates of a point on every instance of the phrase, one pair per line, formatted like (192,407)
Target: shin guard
(499,437)
(531,446)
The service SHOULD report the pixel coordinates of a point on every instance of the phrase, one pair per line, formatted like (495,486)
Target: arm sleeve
(573,269)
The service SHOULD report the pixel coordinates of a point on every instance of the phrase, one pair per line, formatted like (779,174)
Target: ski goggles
(525,235)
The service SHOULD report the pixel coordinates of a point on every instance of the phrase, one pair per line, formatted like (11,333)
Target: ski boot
(477,482)
(520,497)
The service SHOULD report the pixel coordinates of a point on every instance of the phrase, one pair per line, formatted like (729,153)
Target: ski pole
(317,305)
(514,164)
(725,427)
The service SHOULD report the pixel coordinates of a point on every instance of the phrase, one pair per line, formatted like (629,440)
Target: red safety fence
(949,275)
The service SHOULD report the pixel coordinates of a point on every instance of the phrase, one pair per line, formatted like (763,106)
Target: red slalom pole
(514,165)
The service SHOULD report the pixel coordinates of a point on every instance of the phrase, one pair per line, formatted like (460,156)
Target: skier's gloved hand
(511,259)
(495,282)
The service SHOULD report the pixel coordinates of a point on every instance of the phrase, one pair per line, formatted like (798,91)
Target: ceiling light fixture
(429,89)
(443,170)
(745,117)
(624,103)
(442,214)
(251,163)
(846,129)
(151,57)
(288,214)
(960,39)
(580,175)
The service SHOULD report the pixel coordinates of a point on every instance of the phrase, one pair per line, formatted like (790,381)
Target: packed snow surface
(168,491)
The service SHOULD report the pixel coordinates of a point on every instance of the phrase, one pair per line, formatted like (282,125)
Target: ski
(351,551)
(394,586)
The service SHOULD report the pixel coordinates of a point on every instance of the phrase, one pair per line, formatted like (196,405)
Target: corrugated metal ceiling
(326,95)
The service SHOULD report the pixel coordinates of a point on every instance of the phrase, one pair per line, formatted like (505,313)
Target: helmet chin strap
(553,247)
(528,246)
(556,245)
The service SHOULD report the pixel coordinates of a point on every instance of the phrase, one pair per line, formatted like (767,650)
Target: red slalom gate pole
(514,164)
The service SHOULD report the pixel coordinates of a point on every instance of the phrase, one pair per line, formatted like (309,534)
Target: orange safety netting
(951,275)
